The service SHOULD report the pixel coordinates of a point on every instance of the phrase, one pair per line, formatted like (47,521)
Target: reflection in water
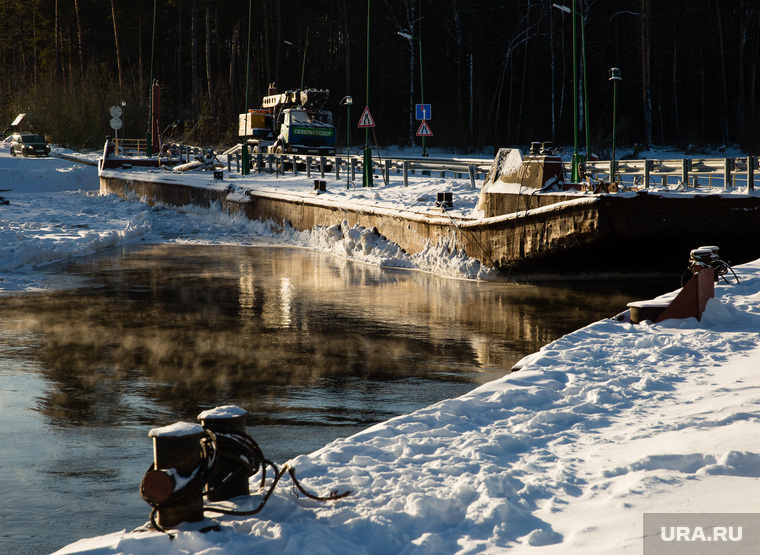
(189,328)
(312,346)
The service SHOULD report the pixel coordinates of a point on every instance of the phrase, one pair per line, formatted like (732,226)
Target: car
(28,144)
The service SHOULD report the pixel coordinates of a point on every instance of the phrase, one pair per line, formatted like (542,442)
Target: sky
(598,428)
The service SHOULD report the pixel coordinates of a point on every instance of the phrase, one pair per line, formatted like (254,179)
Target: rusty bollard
(167,486)
(226,422)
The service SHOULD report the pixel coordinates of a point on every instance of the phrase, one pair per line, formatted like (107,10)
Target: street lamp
(614,77)
(303,63)
(367,167)
(348,102)
(575,173)
(410,38)
(245,167)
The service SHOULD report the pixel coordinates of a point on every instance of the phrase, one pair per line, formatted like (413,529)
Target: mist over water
(314,347)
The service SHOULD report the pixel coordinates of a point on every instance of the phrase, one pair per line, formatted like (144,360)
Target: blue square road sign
(423,111)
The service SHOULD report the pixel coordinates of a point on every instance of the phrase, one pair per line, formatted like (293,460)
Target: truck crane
(292,122)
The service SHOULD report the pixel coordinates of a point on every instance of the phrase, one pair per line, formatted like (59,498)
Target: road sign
(115,111)
(424,130)
(366,119)
(116,124)
(423,111)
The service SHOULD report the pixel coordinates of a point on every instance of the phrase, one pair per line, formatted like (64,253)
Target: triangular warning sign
(424,130)
(366,119)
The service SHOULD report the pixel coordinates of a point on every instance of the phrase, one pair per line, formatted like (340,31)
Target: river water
(314,347)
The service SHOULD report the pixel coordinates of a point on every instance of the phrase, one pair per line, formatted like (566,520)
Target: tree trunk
(208,54)
(80,38)
(180,86)
(57,40)
(140,66)
(676,118)
(552,81)
(646,97)
(703,92)
(753,80)
(267,57)
(724,91)
(523,78)
(118,49)
(740,86)
(346,46)
(196,103)
(278,43)
(233,58)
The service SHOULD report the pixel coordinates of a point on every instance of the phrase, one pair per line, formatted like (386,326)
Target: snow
(223,412)
(178,429)
(566,455)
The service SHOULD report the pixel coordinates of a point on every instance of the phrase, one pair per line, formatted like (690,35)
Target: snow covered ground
(565,456)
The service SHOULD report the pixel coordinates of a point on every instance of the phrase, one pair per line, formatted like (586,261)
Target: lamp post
(303,63)
(575,172)
(348,102)
(410,38)
(149,144)
(614,77)
(367,168)
(245,168)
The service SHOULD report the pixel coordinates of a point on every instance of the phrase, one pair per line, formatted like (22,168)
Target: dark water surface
(314,347)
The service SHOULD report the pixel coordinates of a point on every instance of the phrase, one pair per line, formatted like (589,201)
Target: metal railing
(294,164)
(131,147)
(688,172)
(699,173)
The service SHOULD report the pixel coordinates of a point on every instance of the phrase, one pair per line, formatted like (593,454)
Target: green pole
(614,118)
(367,150)
(348,148)
(245,168)
(585,89)
(149,146)
(348,101)
(575,173)
(422,97)
(614,77)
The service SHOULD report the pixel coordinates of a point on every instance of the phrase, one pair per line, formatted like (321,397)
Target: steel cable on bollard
(224,444)
(704,257)
(192,485)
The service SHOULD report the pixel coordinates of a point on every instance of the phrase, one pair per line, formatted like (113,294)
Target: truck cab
(306,132)
(292,122)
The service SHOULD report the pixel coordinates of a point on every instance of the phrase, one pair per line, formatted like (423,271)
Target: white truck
(292,122)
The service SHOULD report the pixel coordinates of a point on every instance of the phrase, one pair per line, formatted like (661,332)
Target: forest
(496,73)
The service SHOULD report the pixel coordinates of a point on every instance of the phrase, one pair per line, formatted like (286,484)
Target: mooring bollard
(168,486)
(227,422)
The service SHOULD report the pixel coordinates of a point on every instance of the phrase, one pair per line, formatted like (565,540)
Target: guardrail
(687,172)
(293,164)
